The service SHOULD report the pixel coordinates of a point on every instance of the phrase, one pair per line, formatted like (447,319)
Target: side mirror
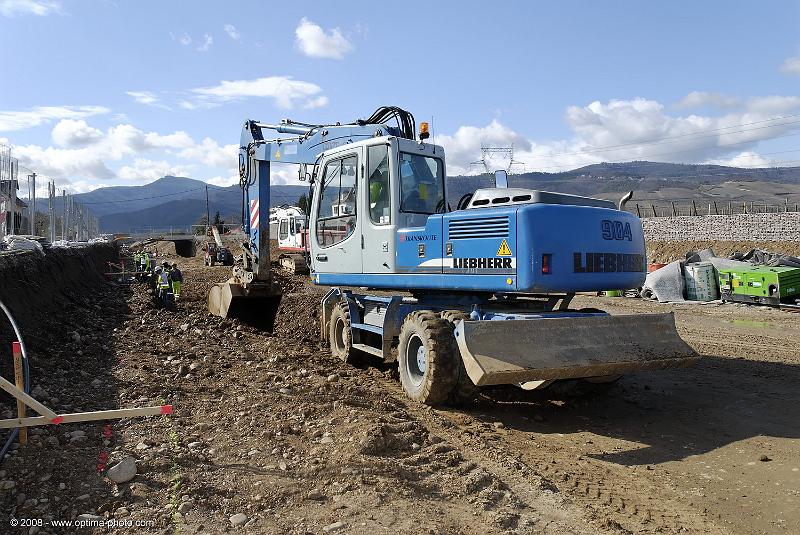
(500,179)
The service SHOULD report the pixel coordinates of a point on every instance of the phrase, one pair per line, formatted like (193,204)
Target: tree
(217,220)
(202,225)
(302,203)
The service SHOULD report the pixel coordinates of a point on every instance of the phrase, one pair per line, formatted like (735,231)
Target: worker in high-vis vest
(162,281)
(176,277)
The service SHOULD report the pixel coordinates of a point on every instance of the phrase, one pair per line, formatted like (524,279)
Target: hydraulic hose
(26,374)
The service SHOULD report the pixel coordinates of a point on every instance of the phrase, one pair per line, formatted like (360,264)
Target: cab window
(336,216)
(421,184)
(378,184)
(283,231)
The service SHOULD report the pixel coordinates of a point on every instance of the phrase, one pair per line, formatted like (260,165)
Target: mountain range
(174,201)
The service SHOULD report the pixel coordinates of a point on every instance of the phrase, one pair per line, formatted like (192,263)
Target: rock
(39,393)
(285,390)
(142,446)
(83,497)
(315,494)
(336,526)
(498,425)
(195,445)
(332,378)
(76,337)
(185,327)
(123,471)
(7,485)
(97,382)
(282,465)
(239,519)
(764,459)
(51,441)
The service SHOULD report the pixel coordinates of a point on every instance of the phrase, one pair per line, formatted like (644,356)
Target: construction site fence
(700,208)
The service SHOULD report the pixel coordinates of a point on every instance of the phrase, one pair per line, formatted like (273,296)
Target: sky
(98,92)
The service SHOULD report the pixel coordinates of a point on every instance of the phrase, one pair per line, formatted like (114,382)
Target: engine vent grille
(480,227)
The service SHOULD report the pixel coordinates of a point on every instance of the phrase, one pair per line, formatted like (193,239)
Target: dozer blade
(256,307)
(517,351)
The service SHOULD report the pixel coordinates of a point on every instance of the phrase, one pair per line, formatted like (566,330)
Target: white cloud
(464,147)
(19,120)
(318,102)
(211,153)
(314,42)
(743,159)
(791,66)
(75,133)
(207,42)
(185,40)
(637,129)
(144,170)
(143,97)
(698,99)
(283,89)
(223,181)
(86,153)
(9,8)
(232,32)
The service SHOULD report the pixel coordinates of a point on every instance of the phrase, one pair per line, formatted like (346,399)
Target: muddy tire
(464,390)
(427,358)
(339,334)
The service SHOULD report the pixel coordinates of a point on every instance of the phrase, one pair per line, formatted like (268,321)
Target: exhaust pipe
(624,200)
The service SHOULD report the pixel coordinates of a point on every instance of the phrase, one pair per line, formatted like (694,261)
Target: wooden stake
(86,416)
(16,350)
(20,394)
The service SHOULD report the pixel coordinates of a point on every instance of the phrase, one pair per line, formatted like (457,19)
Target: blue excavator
(462,293)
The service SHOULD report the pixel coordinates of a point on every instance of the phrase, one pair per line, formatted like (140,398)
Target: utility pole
(14,184)
(51,219)
(208,213)
(63,214)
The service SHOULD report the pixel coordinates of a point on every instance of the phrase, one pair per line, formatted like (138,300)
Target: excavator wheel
(427,358)
(339,334)
(465,390)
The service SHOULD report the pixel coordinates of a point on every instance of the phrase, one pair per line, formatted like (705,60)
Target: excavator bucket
(256,307)
(544,349)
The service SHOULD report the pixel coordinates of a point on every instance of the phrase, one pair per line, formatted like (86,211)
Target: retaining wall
(740,227)
(37,287)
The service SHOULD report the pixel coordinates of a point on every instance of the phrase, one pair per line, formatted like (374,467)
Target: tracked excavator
(463,292)
(292,239)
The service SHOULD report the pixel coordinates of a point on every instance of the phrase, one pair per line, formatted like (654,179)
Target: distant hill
(647,179)
(168,201)
(180,201)
(179,214)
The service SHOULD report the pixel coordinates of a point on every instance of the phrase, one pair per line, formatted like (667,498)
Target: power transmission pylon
(497,153)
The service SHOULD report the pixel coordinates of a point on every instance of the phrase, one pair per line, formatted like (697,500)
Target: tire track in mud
(609,500)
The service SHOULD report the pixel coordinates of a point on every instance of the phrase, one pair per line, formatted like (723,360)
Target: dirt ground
(270,427)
